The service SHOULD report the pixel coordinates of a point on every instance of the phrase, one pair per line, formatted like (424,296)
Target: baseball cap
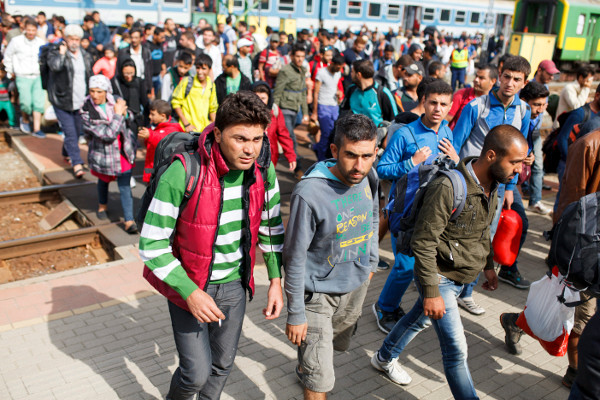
(243,42)
(415,68)
(274,37)
(549,67)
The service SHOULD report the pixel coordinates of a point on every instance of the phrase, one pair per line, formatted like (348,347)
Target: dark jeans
(124,182)
(207,351)
(72,126)
(458,75)
(289,117)
(327,117)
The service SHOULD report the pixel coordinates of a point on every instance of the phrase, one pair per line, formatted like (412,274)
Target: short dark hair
(430,49)
(148,26)
(434,67)
(364,67)
(297,47)
(136,30)
(88,18)
(95,12)
(243,107)
(232,62)
(189,35)
(158,30)
(260,88)
(204,60)
(421,88)
(534,90)
(438,86)
(207,29)
(503,58)
(161,107)
(584,71)
(128,16)
(354,128)
(517,64)
(243,23)
(42,13)
(500,138)
(186,57)
(388,47)
(29,21)
(404,61)
(492,71)
(228,19)
(282,33)
(338,59)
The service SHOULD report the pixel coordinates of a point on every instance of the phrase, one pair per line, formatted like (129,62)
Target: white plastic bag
(50,114)
(546,315)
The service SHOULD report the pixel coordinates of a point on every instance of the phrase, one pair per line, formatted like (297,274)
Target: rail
(37,194)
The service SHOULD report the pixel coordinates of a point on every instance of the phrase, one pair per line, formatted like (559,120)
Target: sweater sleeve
(155,246)
(463,127)
(270,232)
(179,93)
(390,165)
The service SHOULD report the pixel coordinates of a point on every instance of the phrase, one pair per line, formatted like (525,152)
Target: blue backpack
(406,199)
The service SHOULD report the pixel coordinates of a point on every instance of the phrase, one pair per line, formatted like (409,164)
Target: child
(175,74)
(160,118)
(5,103)
(197,108)
(107,65)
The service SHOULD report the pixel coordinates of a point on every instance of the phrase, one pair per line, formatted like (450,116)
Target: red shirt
(156,134)
(459,101)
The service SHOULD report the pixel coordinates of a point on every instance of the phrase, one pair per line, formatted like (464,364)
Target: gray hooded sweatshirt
(331,241)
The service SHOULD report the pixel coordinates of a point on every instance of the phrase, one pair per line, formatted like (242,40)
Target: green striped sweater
(155,248)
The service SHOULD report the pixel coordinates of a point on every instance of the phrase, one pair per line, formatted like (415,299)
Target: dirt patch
(49,262)
(22,220)
(15,174)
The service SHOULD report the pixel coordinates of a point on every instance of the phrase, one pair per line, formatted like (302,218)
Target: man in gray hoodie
(331,251)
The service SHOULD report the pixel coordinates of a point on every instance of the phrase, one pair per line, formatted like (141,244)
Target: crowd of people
(383,102)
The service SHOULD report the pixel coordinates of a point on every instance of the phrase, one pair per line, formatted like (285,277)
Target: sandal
(132,229)
(78,171)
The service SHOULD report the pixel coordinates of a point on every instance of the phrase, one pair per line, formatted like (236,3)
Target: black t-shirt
(170,47)
(156,56)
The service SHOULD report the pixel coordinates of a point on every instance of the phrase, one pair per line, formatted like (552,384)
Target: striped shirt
(160,221)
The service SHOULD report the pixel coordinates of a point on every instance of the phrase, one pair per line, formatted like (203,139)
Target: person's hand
(203,307)
(99,47)
(509,197)
(421,155)
(120,107)
(446,147)
(588,82)
(293,166)
(296,333)
(62,49)
(314,116)
(434,307)
(274,300)
(144,133)
(529,159)
(492,279)
(190,128)
(305,119)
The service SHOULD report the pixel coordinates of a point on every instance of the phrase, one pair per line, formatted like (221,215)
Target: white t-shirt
(329,84)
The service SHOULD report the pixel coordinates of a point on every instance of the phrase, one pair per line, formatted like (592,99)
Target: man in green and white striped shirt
(207,269)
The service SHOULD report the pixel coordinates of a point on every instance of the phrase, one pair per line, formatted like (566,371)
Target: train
(452,17)
(568,31)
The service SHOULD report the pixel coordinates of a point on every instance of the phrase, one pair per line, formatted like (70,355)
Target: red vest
(197,225)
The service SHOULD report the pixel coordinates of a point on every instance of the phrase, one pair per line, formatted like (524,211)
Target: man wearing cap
(269,61)
(545,72)
(406,97)
(459,61)
(244,48)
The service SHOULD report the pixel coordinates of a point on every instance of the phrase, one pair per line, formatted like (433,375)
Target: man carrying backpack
(236,202)
(449,254)
(410,145)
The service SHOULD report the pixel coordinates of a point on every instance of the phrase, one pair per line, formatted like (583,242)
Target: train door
(411,17)
(593,38)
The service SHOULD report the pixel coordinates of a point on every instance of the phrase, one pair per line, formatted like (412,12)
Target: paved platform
(102,333)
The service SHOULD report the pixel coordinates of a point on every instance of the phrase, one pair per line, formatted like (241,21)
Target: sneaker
(392,369)
(469,304)
(132,182)
(539,208)
(569,379)
(25,127)
(513,278)
(82,140)
(382,265)
(546,187)
(39,135)
(513,332)
(386,320)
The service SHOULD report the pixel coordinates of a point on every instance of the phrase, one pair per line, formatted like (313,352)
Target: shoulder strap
(459,186)
(188,87)
(192,175)
(413,136)
(587,111)
(119,88)
(373,182)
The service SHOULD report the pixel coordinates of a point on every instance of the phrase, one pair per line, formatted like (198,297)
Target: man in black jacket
(231,80)
(70,68)
(141,56)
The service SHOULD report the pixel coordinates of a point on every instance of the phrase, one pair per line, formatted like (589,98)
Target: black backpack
(43,60)
(575,247)
(183,143)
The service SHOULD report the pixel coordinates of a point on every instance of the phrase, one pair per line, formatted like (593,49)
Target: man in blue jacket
(100,32)
(501,106)
(409,146)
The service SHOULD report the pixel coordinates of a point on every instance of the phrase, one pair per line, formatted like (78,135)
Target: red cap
(549,67)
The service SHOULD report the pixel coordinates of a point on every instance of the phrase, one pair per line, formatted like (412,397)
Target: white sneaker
(539,208)
(132,182)
(469,304)
(392,369)
(82,140)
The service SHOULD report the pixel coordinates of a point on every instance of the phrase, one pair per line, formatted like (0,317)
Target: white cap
(243,42)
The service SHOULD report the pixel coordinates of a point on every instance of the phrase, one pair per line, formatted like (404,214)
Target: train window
(459,17)
(238,5)
(354,7)
(445,15)
(286,5)
(264,4)
(174,1)
(393,11)
(141,1)
(309,6)
(580,24)
(475,17)
(374,10)
(429,14)
(334,7)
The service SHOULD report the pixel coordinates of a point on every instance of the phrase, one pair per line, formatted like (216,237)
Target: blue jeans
(207,351)
(157,85)
(537,172)
(289,117)
(327,117)
(458,75)
(450,333)
(72,126)
(397,281)
(124,182)
(560,170)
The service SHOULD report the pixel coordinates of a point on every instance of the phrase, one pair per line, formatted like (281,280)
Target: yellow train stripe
(575,44)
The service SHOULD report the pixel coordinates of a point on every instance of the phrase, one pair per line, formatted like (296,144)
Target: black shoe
(513,332)
(133,229)
(386,320)
(546,187)
(101,215)
(382,265)
(513,278)
(569,379)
